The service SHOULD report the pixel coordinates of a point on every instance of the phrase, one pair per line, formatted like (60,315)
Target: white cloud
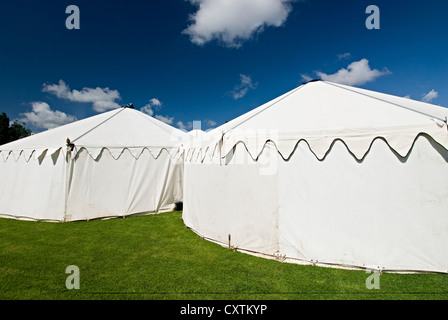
(156,104)
(344,55)
(243,87)
(60,90)
(306,78)
(43,117)
(153,103)
(357,73)
(188,126)
(210,123)
(166,119)
(408,96)
(103,99)
(233,21)
(431,95)
(147,109)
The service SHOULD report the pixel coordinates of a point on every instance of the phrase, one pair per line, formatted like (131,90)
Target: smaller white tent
(326,174)
(118,163)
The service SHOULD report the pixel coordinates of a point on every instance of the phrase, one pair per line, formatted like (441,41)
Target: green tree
(4,128)
(11,132)
(18,130)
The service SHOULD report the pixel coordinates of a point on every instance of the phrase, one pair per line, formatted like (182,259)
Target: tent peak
(129,105)
(312,80)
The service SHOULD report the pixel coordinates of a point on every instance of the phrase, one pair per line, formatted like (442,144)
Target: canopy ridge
(89,131)
(267,107)
(154,121)
(386,101)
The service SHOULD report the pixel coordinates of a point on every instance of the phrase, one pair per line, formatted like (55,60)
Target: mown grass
(156,257)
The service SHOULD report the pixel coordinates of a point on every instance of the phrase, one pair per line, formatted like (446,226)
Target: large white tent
(118,163)
(326,174)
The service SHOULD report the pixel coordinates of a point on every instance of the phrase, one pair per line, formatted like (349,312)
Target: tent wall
(47,189)
(232,199)
(109,187)
(33,188)
(382,212)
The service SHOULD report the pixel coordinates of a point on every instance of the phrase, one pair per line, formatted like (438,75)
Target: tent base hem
(168,208)
(283,258)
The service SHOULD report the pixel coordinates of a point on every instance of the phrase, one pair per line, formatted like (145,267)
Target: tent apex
(129,105)
(312,80)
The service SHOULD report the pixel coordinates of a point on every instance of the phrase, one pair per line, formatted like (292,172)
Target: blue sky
(210,60)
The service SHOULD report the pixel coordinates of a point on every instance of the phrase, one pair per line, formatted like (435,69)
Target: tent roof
(321,112)
(116,130)
(196,133)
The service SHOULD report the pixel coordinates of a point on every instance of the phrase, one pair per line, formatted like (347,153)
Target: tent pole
(68,159)
(221,141)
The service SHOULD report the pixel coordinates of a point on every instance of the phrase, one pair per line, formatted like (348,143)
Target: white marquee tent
(118,163)
(326,174)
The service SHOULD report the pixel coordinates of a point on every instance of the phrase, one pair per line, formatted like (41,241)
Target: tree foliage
(11,132)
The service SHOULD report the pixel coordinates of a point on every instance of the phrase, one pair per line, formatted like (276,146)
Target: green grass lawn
(156,257)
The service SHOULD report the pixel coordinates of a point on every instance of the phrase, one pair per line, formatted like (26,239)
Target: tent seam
(389,102)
